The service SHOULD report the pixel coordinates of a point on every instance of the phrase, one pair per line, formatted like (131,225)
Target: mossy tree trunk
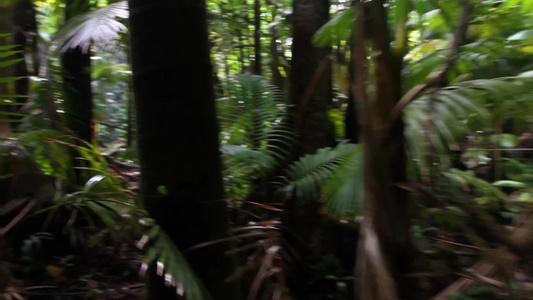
(178,136)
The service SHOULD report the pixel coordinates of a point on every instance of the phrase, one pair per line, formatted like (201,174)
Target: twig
(17,218)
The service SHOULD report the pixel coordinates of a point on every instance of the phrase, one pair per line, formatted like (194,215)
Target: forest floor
(102,271)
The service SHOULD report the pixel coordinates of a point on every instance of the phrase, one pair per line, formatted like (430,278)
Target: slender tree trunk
(257,37)
(277,79)
(311,98)
(131,134)
(77,92)
(352,130)
(385,248)
(178,136)
(241,50)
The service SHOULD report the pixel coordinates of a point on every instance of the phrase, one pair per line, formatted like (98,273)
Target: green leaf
(162,190)
(509,184)
(8,53)
(522,35)
(11,62)
(339,28)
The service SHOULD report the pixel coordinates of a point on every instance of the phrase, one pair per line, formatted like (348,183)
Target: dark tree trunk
(277,78)
(77,92)
(352,130)
(310,93)
(312,98)
(178,136)
(257,37)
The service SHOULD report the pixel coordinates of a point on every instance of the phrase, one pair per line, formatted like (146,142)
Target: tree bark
(178,136)
(310,93)
(277,78)
(313,127)
(77,91)
(257,37)
(385,247)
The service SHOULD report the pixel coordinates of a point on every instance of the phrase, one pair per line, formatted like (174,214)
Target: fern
(253,114)
(102,202)
(9,116)
(254,133)
(465,107)
(334,173)
(343,191)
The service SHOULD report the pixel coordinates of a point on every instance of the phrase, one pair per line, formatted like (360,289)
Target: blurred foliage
(465,137)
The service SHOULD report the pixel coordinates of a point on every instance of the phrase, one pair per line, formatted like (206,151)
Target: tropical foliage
(465,103)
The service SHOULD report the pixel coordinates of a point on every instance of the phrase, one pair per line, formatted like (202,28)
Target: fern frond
(254,161)
(254,131)
(252,111)
(307,176)
(343,191)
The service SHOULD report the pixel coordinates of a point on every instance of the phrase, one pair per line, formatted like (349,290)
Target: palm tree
(178,136)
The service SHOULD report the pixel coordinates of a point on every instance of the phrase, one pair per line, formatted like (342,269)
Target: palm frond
(98,27)
(469,183)
(10,115)
(465,107)
(169,262)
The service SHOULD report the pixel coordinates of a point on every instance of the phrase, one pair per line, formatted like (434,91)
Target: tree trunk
(385,246)
(310,93)
(178,136)
(257,37)
(77,92)
(311,98)
(277,78)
